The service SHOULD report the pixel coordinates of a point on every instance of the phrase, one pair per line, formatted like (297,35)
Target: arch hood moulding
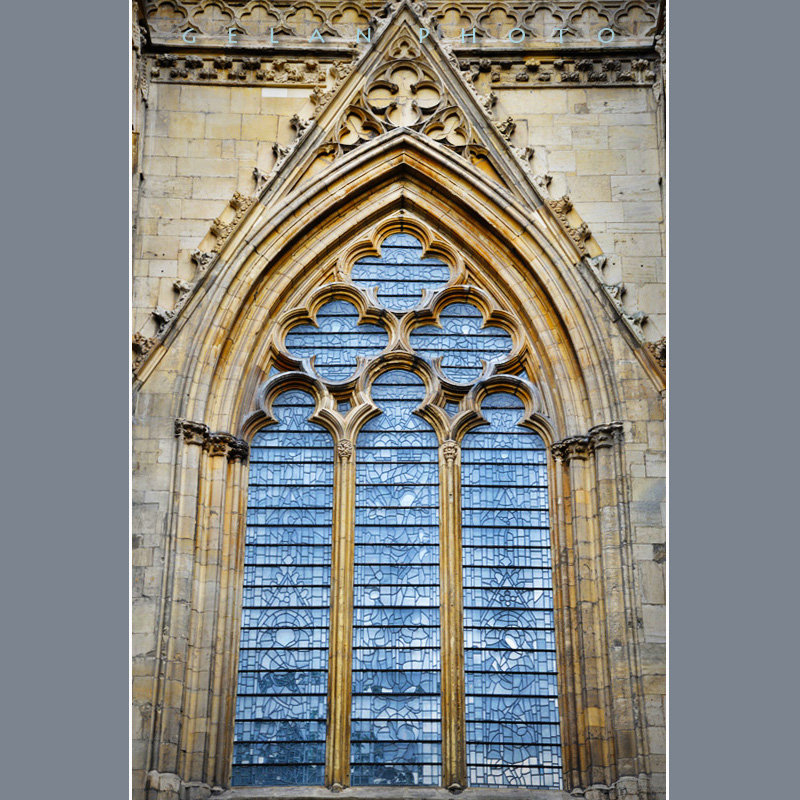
(402,112)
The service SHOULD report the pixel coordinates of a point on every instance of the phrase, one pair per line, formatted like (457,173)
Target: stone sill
(388,793)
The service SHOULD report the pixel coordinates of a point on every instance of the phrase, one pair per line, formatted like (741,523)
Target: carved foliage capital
(215,444)
(581,446)
(571,447)
(450,450)
(605,435)
(191,432)
(344,449)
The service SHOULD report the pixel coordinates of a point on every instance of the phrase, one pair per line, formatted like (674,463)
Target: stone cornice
(215,444)
(506,69)
(581,446)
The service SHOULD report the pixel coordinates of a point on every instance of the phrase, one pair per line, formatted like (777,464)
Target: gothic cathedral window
(397,609)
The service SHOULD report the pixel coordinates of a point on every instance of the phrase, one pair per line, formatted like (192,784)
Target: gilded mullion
(454,758)
(340,643)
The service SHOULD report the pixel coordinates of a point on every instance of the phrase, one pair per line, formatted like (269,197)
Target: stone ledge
(389,793)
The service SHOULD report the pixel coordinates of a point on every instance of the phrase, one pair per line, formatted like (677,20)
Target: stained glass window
(396,737)
(279,733)
(512,722)
(509,634)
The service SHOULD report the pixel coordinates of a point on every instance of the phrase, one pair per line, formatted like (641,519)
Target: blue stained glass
(335,342)
(461,342)
(281,702)
(396,681)
(400,273)
(509,634)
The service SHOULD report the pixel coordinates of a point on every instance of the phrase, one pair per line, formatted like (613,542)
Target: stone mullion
(211,497)
(451,624)
(226,644)
(620,621)
(340,643)
(566,616)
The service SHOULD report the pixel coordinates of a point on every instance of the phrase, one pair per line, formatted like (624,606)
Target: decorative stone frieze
(276,23)
(215,444)
(553,72)
(239,70)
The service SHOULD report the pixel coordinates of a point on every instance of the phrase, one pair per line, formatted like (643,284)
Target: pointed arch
(277,254)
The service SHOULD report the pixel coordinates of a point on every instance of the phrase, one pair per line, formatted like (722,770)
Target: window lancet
(396,726)
(510,657)
(279,734)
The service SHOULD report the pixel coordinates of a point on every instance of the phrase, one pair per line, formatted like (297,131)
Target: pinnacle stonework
(261,170)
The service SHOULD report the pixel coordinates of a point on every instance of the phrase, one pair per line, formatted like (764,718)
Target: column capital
(344,449)
(581,446)
(450,449)
(218,443)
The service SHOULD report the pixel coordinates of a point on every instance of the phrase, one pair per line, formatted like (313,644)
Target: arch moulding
(217,356)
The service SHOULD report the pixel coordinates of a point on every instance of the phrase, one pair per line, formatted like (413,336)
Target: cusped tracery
(460,343)
(333,344)
(401,275)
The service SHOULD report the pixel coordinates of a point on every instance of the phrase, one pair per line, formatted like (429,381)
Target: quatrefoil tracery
(399,339)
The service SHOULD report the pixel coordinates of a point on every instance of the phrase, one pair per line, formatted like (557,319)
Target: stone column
(198,661)
(588,756)
(620,611)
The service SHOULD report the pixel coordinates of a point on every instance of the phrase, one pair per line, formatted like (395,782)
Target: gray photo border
(65,563)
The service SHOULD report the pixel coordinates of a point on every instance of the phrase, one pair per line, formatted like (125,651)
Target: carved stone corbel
(161,315)
(201,259)
(659,350)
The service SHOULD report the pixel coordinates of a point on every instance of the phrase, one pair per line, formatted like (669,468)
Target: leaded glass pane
(336,341)
(279,734)
(461,342)
(396,736)
(509,634)
(400,273)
